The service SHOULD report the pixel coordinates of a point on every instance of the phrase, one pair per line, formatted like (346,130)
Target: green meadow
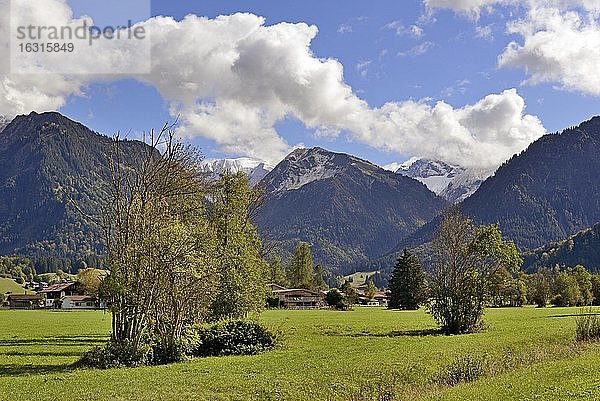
(364,354)
(10,285)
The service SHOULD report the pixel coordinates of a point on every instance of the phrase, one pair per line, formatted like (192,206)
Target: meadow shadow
(11,369)
(398,333)
(574,315)
(62,341)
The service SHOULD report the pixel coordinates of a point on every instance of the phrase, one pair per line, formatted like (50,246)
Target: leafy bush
(232,338)
(116,355)
(588,325)
(464,369)
(343,305)
(178,352)
(273,302)
(336,299)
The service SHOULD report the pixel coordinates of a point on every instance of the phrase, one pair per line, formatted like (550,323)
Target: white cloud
(470,7)
(414,30)
(480,135)
(560,40)
(484,32)
(418,50)
(460,87)
(344,28)
(557,46)
(475,7)
(363,67)
(233,78)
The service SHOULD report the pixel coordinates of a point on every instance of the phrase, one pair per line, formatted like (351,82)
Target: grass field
(359,278)
(10,285)
(326,355)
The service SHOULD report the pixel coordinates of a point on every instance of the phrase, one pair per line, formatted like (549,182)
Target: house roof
(289,290)
(79,298)
(24,297)
(58,287)
(274,286)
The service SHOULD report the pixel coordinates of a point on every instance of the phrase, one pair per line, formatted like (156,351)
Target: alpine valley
(354,214)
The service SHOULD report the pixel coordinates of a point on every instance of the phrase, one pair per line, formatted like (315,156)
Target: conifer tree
(319,283)
(277,273)
(407,285)
(300,272)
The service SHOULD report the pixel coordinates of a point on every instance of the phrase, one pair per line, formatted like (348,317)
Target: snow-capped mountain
(304,166)
(454,183)
(465,184)
(349,210)
(3,122)
(255,169)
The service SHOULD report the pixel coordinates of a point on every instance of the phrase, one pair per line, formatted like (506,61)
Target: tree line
(473,268)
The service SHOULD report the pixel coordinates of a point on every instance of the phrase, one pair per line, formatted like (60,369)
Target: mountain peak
(303,166)
(348,208)
(255,169)
(452,182)
(45,125)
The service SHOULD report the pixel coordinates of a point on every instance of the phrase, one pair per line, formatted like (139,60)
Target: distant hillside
(10,285)
(582,248)
(51,170)
(550,191)
(546,193)
(348,209)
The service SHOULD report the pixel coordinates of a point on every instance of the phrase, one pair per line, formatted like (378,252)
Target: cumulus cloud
(480,135)
(557,46)
(560,40)
(233,78)
(469,7)
(475,7)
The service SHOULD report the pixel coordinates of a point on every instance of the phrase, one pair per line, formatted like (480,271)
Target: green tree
(371,290)
(540,287)
(350,293)
(89,279)
(277,272)
(154,227)
(334,297)
(567,289)
(319,283)
(596,288)
(407,285)
(464,258)
(300,271)
(584,283)
(242,272)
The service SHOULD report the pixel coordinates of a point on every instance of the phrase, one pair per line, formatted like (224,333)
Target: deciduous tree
(464,258)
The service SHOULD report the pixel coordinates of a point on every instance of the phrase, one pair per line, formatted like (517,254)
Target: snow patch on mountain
(255,169)
(3,122)
(306,166)
(465,184)
(452,182)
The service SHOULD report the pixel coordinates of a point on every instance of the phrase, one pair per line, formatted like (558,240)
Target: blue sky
(445,58)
